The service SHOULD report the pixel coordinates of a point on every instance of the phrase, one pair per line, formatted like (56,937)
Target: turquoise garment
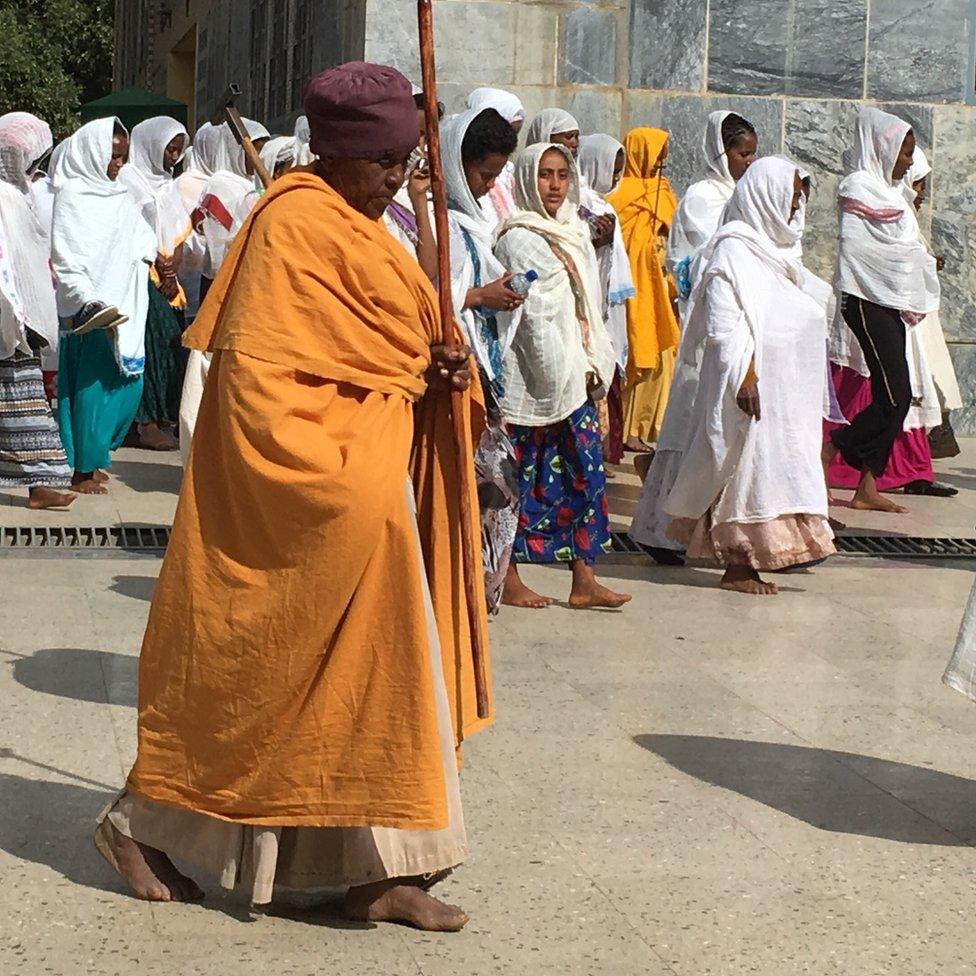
(96,403)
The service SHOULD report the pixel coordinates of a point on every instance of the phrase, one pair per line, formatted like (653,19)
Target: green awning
(133,105)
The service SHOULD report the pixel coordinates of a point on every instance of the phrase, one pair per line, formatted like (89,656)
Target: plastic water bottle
(521,283)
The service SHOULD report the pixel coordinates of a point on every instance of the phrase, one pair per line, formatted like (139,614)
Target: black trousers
(866,443)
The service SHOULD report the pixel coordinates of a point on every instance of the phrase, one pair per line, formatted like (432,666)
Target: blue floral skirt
(562,490)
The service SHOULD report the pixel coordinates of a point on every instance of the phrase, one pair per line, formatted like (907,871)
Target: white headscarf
(471,228)
(548,123)
(507,105)
(571,235)
(752,251)
(882,258)
(921,169)
(597,161)
(101,248)
(152,185)
(303,136)
(700,211)
(201,164)
(280,149)
(26,286)
(26,139)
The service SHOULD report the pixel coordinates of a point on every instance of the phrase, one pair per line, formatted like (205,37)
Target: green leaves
(54,55)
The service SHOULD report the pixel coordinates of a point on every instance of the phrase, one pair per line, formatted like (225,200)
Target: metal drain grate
(906,547)
(127,538)
(877,546)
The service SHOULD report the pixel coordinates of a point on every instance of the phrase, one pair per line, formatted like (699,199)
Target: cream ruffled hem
(789,540)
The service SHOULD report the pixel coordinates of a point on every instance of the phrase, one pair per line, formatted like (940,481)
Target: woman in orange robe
(646,204)
(306,673)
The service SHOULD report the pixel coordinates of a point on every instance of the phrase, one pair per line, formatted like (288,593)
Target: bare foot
(876,502)
(100,476)
(743,579)
(636,445)
(517,594)
(154,438)
(150,874)
(597,597)
(42,498)
(85,483)
(642,464)
(391,901)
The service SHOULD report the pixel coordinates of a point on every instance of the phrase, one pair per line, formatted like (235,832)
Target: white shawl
(882,258)
(101,248)
(152,185)
(700,211)
(597,162)
(507,105)
(548,123)
(26,286)
(303,136)
(467,217)
(280,149)
(740,298)
(550,365)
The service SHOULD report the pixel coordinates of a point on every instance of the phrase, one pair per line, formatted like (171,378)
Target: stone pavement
(701,784)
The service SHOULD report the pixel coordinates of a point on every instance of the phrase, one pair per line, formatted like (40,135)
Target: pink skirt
(911,456)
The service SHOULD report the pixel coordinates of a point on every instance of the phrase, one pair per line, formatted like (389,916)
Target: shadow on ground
(840,792)
(146,476)
(80,674)
(136,587)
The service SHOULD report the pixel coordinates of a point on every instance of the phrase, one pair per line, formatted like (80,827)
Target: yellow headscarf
(646,205)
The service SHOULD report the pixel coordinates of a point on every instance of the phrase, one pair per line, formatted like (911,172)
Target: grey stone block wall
(799,69)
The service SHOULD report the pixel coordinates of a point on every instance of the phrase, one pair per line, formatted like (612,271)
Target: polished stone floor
(701,784)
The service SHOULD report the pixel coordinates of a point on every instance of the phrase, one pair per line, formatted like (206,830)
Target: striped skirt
(31,454)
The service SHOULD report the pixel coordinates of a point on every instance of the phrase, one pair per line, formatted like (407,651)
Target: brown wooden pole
(425,17)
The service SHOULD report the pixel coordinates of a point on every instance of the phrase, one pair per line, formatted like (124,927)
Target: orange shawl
(646,206)
(285,677)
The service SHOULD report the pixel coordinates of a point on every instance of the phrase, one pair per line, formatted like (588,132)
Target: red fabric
(911,456)
(615,409)
(884,215)
(213,207)
(361,111)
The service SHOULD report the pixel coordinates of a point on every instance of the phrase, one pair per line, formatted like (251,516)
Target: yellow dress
(645,206)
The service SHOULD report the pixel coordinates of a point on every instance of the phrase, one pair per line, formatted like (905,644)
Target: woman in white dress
(749,493)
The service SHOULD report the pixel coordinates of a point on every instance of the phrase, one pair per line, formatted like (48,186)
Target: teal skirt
(96,403)
(165,362)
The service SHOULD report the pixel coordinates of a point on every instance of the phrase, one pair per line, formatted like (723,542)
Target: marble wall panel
(668,44)
(598,111)
(642,108)
(825,57)
(747,46)
(536,44)
(813,48)
(684,116)
(816,133)
(964,361)
(589,47)
(918,51)
(919,117)
(475,40)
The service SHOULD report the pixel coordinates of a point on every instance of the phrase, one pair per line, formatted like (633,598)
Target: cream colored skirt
(308,857)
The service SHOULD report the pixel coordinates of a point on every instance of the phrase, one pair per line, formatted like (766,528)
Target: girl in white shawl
(558,360)
(888,282)
(227,198)
(156,147)
(101,253)
(601,164)
(500,199)
(475,147)
(749,492)
(729,147)
(31,455)
(942,439)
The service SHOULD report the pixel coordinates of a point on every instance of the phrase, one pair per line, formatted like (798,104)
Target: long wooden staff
(425,17)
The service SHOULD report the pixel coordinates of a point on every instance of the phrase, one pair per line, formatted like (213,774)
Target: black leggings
(866,442)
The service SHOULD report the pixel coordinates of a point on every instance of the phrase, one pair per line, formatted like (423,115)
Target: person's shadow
(80,674)
(834,791)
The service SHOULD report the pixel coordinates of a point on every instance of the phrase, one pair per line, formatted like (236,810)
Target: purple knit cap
(361,111)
